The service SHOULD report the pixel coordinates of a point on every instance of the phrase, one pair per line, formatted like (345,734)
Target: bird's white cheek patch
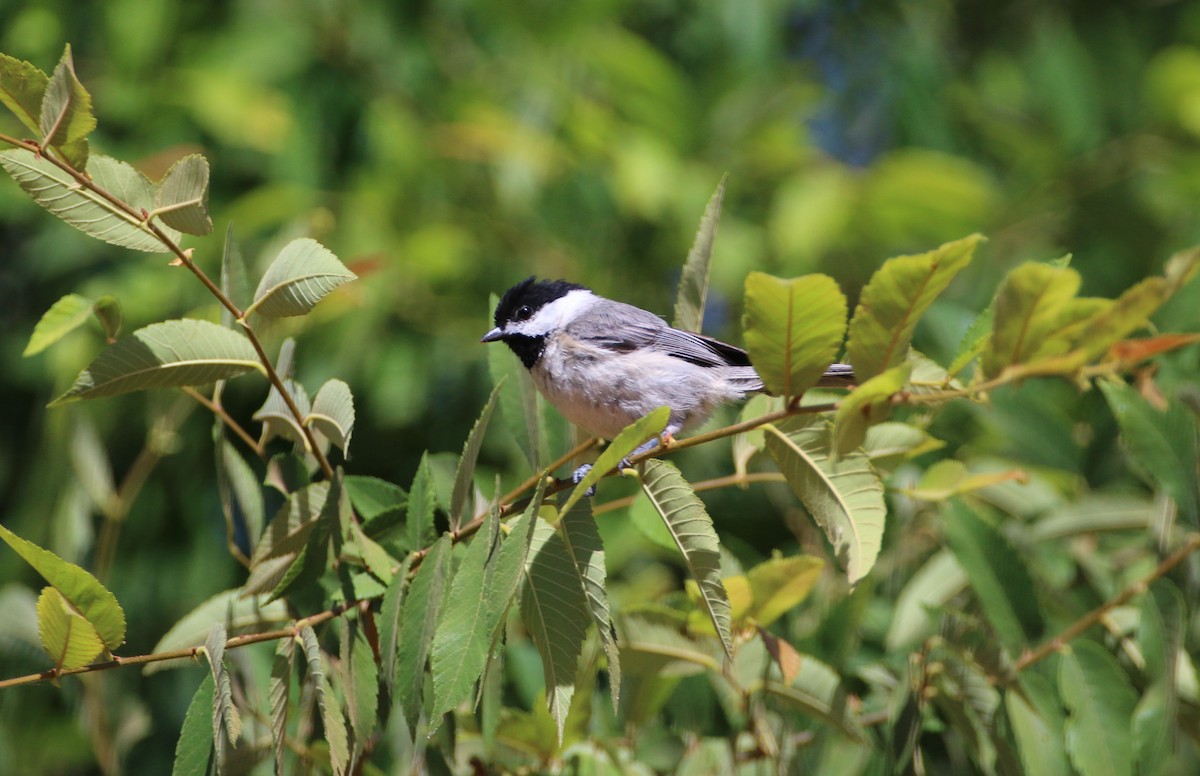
(557,314)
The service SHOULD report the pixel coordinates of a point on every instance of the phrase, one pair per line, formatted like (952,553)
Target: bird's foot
(578,476)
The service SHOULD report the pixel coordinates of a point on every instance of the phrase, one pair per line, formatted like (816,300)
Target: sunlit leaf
(181,198)
(630,438)
(779,585)
(238,614)
(331,712)
(845,499)
(226,721)
(555,611)
(22,88)
(90,598)
(65,117)
(974,340)
(301,275)
(1137,350)
(868,404)
(949,477)
(463,475)
(332,413)
(418,621)
(693,281)
(793,329)
(165,355)
(1033,303)
(1098,695)
(504,580)
(896,297)
(278,691)
(66,635)
(92,214)
(194,748)
(303,573)
(696,539)
(782,653)
(63,317)
(285,537)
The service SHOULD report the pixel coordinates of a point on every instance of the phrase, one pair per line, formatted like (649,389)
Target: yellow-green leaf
(22,88)
(63,317)
(65,115)
(181,198)
(793,329)
(1031,305)
(630,438)
(301,275)
(894,300)
(67,636)
(868,404)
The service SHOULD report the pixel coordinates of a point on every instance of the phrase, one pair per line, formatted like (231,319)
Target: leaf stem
(218,410)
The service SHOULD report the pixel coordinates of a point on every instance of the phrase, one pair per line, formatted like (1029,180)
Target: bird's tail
(747,380)
(837,376)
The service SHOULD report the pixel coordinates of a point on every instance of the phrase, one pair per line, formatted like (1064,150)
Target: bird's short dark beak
(493,335)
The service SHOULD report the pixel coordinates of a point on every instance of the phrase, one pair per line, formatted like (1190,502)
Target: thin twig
(227,419)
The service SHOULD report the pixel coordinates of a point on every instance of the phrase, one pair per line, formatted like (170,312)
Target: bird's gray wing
(624,328)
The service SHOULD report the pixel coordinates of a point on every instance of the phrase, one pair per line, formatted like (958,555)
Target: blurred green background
(446,150)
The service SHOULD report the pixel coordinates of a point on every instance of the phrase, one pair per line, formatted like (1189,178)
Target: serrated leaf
(630,438)
(504,581)
(1161,446)
(362,686)
(64,316)
(302,575)
(998,575)
(555,612)
(278,691)
(793,329)
(301,275)
(1033,302)
(333,413)
(61,194)
(90,598)
(693,282)
(895,298)
(226,722)
(389,624)
(164,355)
(845,499)
(868,404)
(285,537)
(277,417)
(817,690)
(1098,695)
(233,277)
(465,471)
(331,713)
(930,588)
(66,635)
(236,613)
(582,542)
(422,500)
(695,537)
(22,89)
(1160,630)
(193,750)
(974,340)
(462,639)
(418,622)
(65,115)
(181,198)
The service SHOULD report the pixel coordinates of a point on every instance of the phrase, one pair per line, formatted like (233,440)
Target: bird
(604,364)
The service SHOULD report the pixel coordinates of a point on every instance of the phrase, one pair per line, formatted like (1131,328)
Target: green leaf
(418,622)
(1161,446)
(64,316)
(845,499)
(896,297)
(302,275)
(582,542)
(1037,725)
(303,574)
(238,614)
(817,690)
(193,750)
(504,581)
(362,685)
(630,438)
(950,477)
(1098,695)
(793,329)
(22,89)
(422,500)
(181,199)
(779,585)
(937,581)
(66,635)
(890,443)
(389,624)
(108,312)
(462,639)
(62,195)
(277,417)
(1033,303)
(90,461)
(373,497)
(285,537)
(65,117)
(693,282)
(333,413)
(233,277)
(331,713)
(463,482)
(555,611)
(688,521)
(974,339)
(226,722)
(868,404)
(278,690)
(518,400)
(239,490)
(998,576)
(1160,631)
(1154,730)
(90,598)
(164,355)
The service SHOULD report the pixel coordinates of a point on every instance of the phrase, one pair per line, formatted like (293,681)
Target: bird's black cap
(533,293)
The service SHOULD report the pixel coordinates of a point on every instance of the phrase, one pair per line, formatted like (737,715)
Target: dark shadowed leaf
(181,199)
(896,297)
(90,598)
(64,316)
(22,88)
(68,638)
(693,282)
(817,690)
(240,492)
(691,527)
(793,329)
(302,275)
(193,750)
(389,623)
(285,537)
(108,312)
(845,499)
(278,419)
(938,580)
(165,355)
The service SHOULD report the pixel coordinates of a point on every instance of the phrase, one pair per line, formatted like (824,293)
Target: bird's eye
(524,313)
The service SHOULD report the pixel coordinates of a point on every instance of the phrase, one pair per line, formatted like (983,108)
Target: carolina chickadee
(604,364)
